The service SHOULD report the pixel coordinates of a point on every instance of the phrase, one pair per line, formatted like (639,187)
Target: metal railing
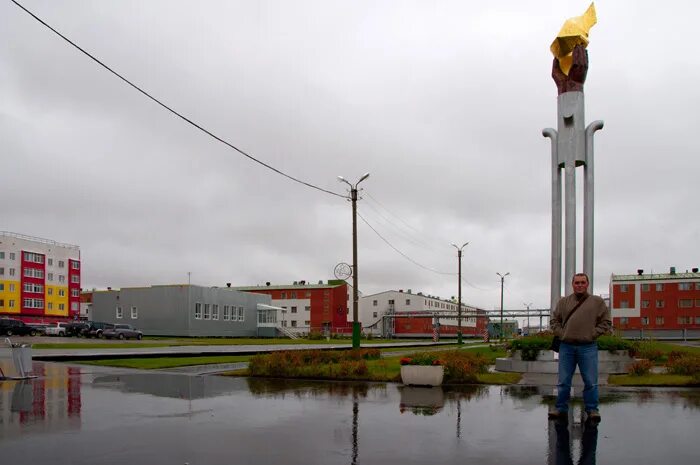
(38,239)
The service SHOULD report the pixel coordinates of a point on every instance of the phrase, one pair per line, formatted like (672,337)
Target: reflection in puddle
(172,418)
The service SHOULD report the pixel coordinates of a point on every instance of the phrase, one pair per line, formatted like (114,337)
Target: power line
(401,233)
(184,118)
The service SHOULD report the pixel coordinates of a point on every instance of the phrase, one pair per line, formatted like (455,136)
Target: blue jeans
(586,357)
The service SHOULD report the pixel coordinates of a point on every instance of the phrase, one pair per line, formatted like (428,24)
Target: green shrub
(530,346)
(648,350)
(315,336)
(313,363)
(640,367)
(614,343)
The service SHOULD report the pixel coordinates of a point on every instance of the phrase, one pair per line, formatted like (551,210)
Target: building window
(294,295)
(307,308)
(294,323)
(2,286)
(49,291)
(659,321)
(374,303)
(374,314)
(2,271)
(134,313)
(12,287)
(74,306)
(49,305)
(61,278)
(33,288)
(2,303)
(75,292)
(119,313)
(624,320)
(12,255)
(391,302)
(645,287)
(241,315)
(683,320)
(234,313)
(61,292)
(659,287)
(284,323)
(685,303)
(645,321)
(61,264)
(684,286)
(33,303)
(623,287)
(207,312)
(660,304)
(197,311)
(2,255)
(33,273)
(697,320)
(75,279)
(50,277)
(50,261)
(408,301)
(215,312)
(33,257)
(11,303)
(624,304)
(294,309)
(307,323)
(227,315)
(75,265)
(645,304)
(308,293)
(697,302)
(697,286)
(283,295)
(61,307)
(12,271)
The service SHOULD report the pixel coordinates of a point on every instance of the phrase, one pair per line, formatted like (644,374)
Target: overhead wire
(179,115)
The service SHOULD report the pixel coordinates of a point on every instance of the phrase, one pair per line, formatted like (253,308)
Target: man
(579,320)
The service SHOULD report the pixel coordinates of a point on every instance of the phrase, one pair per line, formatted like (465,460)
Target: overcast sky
(442,102)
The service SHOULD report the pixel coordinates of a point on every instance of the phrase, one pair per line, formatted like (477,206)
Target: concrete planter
(421,400)
(548,362)
(420,375)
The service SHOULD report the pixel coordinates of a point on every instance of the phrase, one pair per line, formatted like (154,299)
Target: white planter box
(419,375)
(547,362)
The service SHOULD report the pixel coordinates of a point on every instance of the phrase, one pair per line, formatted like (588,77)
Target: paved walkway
(197,351)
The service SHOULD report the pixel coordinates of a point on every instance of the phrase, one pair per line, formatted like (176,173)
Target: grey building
(182,310)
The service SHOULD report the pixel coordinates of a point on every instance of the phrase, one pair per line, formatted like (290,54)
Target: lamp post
(459,291)
(528,316)
(503,277)
(355,320)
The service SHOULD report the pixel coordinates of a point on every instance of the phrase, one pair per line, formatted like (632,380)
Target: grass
(651,379)
(167,362)
(499,378)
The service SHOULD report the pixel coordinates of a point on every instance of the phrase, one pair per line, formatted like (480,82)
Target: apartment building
(39,278)
(656,304)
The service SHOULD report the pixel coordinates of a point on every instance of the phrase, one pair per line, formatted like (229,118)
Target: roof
(654,276)
(291,287)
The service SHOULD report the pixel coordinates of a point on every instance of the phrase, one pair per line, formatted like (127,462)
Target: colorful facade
(656,303)
(39,278)
(311,307)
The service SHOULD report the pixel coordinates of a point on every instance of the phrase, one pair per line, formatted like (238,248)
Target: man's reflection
(589,443)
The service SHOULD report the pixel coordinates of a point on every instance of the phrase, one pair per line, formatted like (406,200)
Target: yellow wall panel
(52,296)
(11,294)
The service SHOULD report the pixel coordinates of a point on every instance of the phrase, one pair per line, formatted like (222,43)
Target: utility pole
(356,330)
(459,291)
(503,277)
(528,316)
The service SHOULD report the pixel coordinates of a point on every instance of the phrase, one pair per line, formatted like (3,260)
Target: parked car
(11,327)
(121,331)
(58,329)
(76,328)
(40,327)
(95,328)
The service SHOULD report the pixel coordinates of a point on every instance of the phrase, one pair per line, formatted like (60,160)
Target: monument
(572,146)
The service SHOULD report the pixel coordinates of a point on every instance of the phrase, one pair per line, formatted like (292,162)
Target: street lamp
(355,321)
(503,277)
(528,316)
(459,291)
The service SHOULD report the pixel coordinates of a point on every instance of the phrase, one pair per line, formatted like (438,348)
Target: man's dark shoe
(593,415)
(555,414)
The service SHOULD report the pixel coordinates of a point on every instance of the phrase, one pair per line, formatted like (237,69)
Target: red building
(310,307)
(656,305)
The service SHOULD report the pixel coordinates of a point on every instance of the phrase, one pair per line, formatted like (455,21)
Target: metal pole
(459,291)
(355,322)
(356,327)
(459,297)
(503,277)
(528,317)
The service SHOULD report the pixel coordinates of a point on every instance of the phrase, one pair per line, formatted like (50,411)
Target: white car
(58,329)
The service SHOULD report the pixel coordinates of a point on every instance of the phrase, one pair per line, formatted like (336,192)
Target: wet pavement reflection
(81,415)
